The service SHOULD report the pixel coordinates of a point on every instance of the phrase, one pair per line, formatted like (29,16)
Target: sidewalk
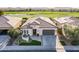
(59,47)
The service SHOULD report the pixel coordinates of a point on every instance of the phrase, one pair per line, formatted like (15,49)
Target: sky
(39,3)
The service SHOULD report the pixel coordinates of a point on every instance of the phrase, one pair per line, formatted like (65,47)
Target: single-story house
(38,26)
(8,22)
(60,22)
(71,21)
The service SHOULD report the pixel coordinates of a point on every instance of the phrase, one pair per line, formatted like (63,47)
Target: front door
(34,31)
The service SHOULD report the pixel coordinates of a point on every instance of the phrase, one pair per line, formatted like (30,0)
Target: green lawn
(46,13)
(23,42)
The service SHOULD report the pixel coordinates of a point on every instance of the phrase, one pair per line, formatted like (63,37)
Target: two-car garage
(48,32)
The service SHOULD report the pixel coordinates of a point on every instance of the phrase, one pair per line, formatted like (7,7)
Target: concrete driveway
(4,40)
(49,41)
(48,45)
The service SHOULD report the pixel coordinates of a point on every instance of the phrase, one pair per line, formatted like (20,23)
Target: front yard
(75,42)
(25,43)
(71,37)
(66,42)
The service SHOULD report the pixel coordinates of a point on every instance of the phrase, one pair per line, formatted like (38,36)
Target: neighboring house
(60,22)
(71,21)
(38,26)
(7,23)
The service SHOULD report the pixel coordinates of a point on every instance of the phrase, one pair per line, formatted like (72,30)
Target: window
(27,31)
(24,31)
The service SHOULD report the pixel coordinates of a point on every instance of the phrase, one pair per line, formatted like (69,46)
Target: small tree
(1,13)
(24,20)
(30,9)
(14,33)
(72,34)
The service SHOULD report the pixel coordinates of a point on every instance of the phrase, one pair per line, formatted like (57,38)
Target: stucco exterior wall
(25,31)
(39,31)
(30,31)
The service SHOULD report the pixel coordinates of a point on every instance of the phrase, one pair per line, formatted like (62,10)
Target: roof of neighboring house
(64,19)
(41,21)
(8,21)
(60,20)
(69,20)
(75,21)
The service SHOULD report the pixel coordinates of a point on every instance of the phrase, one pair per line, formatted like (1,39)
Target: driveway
(49,41)
(4,40)
(48,45)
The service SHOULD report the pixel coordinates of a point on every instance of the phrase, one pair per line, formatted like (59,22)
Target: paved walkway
(59,47)
(28,49)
